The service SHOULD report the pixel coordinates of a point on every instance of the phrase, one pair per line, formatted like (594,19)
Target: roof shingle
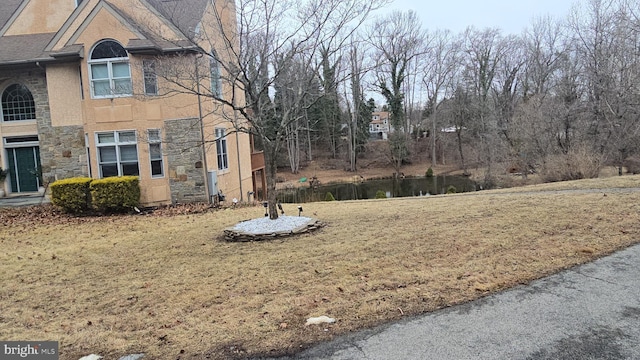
(18,48)
(185,14)
(7,8)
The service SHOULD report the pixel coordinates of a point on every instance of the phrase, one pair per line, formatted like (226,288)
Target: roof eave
(156,50)
(34,63)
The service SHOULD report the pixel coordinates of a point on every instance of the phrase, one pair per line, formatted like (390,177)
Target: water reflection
(418,186)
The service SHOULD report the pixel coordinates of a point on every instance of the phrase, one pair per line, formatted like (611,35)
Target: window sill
(18,122)
(110,97)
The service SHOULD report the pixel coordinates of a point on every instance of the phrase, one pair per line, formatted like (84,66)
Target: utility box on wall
(213,183)
(215,194)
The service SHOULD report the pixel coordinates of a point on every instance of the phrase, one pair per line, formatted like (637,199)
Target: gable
(104,17)
(143,23)
(38,16)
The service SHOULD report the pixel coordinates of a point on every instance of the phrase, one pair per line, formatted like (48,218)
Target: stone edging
(233,235)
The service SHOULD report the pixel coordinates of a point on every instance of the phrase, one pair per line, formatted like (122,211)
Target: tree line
(562,98)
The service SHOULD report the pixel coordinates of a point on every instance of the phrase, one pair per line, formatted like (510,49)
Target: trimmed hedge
(81,194)
(72,195)
(115,194)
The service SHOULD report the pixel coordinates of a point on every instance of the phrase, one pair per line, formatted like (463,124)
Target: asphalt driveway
(588,312)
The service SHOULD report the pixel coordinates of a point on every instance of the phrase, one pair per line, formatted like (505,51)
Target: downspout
(235,123)
(204,148)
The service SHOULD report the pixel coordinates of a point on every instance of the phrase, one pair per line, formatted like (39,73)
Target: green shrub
(72,194)
(429,172)
(329,197)
(381,194)
(115,194)
(451,189)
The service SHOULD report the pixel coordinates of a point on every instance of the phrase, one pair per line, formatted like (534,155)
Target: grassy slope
(167,285)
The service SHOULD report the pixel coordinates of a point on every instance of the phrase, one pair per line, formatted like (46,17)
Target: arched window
(216,77)
(17,103)
(109,70)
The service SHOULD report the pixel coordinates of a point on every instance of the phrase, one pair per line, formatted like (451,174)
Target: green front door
(24,163)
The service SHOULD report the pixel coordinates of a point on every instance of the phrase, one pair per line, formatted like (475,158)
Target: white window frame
(109,62)
(222,152)
(155,141)
(24,105)
(149,73)
(118,143)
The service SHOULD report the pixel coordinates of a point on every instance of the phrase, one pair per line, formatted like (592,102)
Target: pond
(414,186)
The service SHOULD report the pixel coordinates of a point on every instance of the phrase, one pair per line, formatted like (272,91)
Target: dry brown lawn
(170,288)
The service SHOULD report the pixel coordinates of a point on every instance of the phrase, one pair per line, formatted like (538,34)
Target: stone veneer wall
(62,152)
(62,149)
(185,157)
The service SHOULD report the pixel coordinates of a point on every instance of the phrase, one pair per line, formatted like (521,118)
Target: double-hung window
(155,152)
(117,153)
(221,149)
(109,70)
(150,77)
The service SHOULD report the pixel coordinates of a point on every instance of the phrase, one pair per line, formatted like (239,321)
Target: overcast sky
(512,16)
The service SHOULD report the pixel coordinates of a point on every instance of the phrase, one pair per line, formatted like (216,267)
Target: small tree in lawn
(254,57)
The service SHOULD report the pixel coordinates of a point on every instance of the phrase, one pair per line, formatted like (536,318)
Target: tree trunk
(433,139)
(293,148)
(309,154)
(271,169)
(459,137)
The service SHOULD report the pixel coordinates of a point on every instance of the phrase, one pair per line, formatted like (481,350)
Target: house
(379,126)
(81,95)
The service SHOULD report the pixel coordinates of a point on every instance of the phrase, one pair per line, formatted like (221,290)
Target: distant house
(80,96)
(379,128)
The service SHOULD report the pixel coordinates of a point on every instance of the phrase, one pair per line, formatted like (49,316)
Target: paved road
(588,312)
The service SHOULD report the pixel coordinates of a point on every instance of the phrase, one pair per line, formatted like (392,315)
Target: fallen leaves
(48,215)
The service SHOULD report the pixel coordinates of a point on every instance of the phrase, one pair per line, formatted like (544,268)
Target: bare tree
(441,61)
(252,58)
(304,92)
(398,39)
(606,38)
(483,52)
(326,112)
(543,51)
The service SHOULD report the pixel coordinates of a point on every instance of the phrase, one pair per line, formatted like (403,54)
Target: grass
(170,288)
